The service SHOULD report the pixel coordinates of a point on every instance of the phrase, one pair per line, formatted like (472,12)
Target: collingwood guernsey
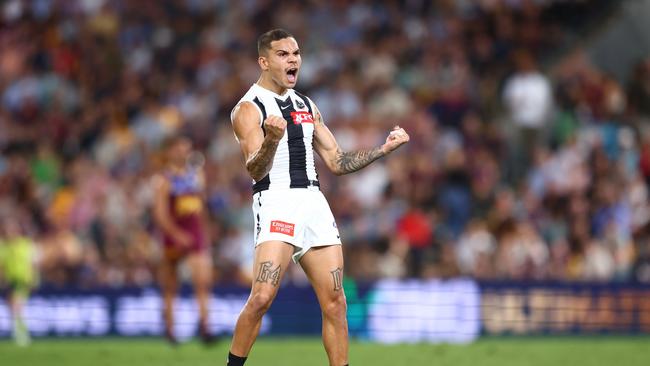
(279,130)
(293,164)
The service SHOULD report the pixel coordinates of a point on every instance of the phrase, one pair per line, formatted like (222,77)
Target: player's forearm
(165,224)
(351,161)
(168,228)
(259,164)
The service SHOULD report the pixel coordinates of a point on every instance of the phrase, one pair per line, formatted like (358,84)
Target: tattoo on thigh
(337,276)
(268,274)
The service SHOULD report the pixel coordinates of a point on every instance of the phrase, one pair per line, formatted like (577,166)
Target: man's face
(180,151)
(283,62)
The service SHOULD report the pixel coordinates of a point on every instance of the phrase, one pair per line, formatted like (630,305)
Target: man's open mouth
(291,74)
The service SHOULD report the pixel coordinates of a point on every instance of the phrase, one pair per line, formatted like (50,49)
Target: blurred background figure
(18,272)
(529,100)
(180,216)
(521,130)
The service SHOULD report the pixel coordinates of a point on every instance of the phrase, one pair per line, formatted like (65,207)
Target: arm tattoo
(337,276)
(349,162)
(268,274)
(260,163)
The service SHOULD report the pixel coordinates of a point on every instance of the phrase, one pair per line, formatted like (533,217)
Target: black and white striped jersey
(293,165)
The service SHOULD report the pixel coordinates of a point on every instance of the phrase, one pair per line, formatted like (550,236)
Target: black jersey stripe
(308,104)
(263,110)
(265,182)
(262,185)
(296,145)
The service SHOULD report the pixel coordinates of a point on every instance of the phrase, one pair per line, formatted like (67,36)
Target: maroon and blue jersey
(186,207)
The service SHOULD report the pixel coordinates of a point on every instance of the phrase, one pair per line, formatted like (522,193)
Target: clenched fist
(395,139)
(274,127)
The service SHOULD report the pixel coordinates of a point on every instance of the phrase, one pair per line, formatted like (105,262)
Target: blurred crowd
(511,172)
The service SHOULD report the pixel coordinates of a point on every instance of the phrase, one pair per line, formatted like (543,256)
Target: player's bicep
(202,183)
(325,144)
(245,122)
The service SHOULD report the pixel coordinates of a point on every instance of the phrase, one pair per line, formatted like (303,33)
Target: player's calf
(248,324)
(335,328)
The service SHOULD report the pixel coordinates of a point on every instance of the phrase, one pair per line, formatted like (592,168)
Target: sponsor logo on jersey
(300,104)
(302,117)
(282,227)
(187,205)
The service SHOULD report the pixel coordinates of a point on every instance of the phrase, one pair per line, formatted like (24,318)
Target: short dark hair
(264,42)
(173,140)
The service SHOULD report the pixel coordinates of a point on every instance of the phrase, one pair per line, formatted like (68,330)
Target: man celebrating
(278,130)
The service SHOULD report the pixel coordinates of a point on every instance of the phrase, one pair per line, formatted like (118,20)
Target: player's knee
(169,289)
(335,306)
(260,302)
(202,285)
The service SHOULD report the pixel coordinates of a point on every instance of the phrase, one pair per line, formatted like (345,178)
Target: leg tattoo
(268,274)
(337,276)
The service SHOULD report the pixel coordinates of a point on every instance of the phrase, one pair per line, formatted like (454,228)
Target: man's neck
(176,168)
(270,85)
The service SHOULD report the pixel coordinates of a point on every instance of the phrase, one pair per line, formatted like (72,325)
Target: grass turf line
(623,351)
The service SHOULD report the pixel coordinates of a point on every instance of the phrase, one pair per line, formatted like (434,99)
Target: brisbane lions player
(179,214)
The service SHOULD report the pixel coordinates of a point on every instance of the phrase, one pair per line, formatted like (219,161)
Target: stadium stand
(490,186)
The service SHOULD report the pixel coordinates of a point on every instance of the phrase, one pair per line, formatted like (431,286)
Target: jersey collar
(262,89)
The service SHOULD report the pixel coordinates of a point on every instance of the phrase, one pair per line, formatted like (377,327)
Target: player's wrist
(384,150)
(273,139)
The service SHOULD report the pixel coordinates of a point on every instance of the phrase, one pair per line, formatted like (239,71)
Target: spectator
(475,250)
(89,89)
(528,97)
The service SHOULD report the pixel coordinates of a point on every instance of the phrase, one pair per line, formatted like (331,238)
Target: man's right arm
(258,148)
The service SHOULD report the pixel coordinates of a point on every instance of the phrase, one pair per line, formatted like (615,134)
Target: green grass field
(621,351)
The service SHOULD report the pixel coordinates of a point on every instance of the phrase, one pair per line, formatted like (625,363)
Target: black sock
(235,360)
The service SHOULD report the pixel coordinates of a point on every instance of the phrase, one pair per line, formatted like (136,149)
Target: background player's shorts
(193,226)
(299,216)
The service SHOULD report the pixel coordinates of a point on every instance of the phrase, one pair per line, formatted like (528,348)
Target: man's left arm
(345,162)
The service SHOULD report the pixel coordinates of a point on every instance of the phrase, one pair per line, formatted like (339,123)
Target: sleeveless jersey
(293,164)
(185,206)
